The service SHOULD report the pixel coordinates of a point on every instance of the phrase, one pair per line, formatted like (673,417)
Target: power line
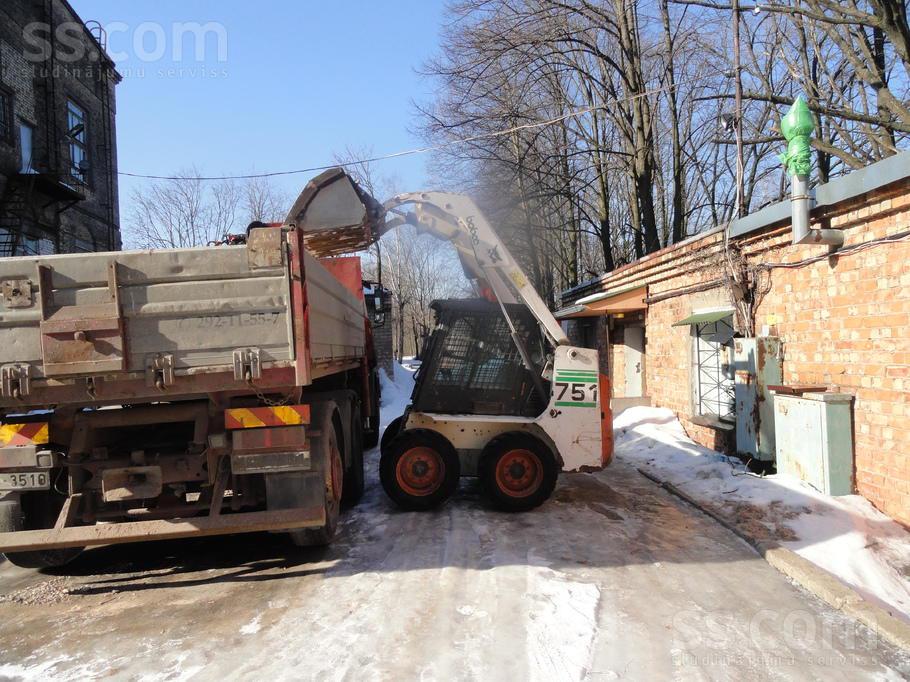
(416,150)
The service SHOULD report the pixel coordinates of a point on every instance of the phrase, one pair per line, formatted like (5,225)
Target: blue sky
(300,81)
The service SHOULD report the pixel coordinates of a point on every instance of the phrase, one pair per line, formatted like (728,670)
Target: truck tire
(419,469)
(517,471)
(390,432)
(371,433)
(327,451)
(353,475)
(34,512)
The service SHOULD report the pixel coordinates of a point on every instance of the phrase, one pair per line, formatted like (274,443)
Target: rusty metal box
(758,365)
(815,440)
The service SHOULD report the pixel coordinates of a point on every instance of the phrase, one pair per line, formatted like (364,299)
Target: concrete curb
(809,576)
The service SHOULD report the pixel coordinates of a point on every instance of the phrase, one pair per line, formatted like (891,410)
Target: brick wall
(844,322)
(37,91)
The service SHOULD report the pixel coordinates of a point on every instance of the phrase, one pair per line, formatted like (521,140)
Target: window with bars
(712,365)
(7,242)
(30,241)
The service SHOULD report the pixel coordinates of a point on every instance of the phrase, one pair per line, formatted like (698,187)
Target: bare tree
(261,200)
(619,114)
(188,210)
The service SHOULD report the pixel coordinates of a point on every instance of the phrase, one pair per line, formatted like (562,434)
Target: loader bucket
(336,215)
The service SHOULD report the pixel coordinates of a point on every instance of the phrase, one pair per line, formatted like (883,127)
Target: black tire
(390,432)
(419,470)
(371,433)
(34,512)
(353,475)
(332,468)
(517,471)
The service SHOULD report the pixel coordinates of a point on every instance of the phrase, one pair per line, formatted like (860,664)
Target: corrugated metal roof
(569,310)
(704,318)
(610,293)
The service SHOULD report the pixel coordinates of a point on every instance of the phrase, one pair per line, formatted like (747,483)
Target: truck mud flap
(169,529)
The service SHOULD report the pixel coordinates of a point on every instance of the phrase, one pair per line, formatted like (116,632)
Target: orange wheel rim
(519,473)
(420,471)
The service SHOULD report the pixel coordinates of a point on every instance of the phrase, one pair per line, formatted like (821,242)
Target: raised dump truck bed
(167,393)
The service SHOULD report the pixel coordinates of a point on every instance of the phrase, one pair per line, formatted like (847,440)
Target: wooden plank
(797,389)
(170,529)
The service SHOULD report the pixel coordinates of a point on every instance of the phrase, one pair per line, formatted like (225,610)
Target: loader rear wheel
(34,511)
(419,470)
(517,471)
(326,451)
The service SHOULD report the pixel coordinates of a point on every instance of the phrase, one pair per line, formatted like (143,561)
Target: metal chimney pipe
(800,207)
(797,127)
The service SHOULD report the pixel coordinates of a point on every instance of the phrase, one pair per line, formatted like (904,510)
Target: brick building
(666,324)
(58,160)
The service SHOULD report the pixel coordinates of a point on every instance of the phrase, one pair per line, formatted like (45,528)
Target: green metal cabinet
(814,435)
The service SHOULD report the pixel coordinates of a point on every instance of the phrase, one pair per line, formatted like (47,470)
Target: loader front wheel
(419,469)
(390,432)
(517,471)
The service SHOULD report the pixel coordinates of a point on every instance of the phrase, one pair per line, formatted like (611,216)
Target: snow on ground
(845,535)
(611,578)
(396,390)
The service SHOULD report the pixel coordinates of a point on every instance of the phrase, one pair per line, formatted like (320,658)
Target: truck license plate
(29,480)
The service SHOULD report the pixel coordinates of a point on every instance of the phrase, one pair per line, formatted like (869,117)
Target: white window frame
(26,147)
(78,143)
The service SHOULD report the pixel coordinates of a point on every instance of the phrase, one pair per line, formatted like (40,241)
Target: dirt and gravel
(612,578)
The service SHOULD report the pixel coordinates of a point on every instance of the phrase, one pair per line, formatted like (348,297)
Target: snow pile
(396,392)
(845,535)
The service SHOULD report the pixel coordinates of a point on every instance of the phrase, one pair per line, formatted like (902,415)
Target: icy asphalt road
(611,579)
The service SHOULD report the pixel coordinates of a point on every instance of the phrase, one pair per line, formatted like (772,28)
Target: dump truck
(174,393)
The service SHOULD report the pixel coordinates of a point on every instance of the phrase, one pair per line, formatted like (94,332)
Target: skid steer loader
(500,393)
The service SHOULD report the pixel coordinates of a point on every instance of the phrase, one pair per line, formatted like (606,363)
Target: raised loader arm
(456,218)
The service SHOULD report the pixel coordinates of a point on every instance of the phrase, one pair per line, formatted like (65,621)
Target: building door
(634,356)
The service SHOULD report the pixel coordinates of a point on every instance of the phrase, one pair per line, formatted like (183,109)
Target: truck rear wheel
(35,511)
(326,451)
(419,469)
(371,433)
(517,471)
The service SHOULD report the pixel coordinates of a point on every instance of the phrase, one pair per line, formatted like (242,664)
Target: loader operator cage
(471,364)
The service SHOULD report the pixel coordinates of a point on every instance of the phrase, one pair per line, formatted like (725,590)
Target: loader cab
(471,365)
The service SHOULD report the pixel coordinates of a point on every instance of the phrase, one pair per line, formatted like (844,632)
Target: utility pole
(738,116)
